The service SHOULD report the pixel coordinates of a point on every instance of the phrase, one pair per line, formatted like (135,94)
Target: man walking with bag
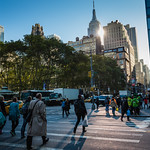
(80,111)
(38,123)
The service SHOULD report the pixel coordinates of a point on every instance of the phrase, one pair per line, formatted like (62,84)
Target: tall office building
(94,25)
(147,5)
(91,43)
(133,38)
(37,30)
(116,36)
(1,33)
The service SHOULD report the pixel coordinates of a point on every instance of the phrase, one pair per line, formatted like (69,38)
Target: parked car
(7,105)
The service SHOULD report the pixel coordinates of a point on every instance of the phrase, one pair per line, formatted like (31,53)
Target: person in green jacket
(134,104)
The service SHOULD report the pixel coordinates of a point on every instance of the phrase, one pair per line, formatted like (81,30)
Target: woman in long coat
(38,124)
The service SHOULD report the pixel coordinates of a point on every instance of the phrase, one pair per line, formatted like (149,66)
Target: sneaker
(45,141)
(121,119)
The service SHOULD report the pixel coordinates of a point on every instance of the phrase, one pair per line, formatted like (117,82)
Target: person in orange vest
(113,104)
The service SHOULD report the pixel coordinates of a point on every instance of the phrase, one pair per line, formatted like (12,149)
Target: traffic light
(89,74)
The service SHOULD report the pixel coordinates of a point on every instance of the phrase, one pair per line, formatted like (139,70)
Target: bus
(45,94)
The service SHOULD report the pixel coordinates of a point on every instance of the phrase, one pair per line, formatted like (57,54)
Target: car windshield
(102,97)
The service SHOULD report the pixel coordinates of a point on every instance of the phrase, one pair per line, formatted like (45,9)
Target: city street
(103,133)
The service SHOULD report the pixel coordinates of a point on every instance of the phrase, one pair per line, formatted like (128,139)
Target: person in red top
(145,102)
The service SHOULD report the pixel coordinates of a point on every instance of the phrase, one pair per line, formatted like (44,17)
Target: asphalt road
(103,133)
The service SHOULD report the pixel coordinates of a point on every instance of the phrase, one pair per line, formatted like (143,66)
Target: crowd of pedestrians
(36,111)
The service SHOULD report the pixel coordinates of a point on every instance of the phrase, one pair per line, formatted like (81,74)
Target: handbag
(29,115)
(85,122)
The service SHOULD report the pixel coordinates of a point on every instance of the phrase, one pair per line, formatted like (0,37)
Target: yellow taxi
(7,105)
(88,100)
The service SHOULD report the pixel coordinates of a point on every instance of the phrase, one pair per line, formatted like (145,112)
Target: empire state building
(94,25)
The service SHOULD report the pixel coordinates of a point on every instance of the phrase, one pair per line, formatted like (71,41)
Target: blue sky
(70,18)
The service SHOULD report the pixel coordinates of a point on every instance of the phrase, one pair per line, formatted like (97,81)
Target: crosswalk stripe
(95,138)
(23,146)
(91,137)
(91,131)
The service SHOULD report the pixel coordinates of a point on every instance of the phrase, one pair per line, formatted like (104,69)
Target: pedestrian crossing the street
(60,131)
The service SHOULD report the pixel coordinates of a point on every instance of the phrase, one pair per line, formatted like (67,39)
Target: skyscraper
(1,33)
(91,43)
(94,25)
(116,37)
(147,5)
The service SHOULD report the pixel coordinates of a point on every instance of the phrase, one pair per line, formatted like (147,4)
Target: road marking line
(23,146)
(95,138)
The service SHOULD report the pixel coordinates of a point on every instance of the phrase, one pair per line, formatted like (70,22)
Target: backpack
(113,104)
(63,104)
(24,109)
(77,106)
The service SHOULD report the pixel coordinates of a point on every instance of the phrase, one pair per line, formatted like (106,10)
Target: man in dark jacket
(26,104)
(2,109)
(124,108)
(80,111)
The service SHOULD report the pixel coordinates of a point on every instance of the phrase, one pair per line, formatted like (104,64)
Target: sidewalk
(101,112)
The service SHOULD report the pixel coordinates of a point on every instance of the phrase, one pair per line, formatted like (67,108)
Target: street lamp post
(93,106)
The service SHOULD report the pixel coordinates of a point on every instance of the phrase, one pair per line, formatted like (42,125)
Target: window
(120,55)
(120,49)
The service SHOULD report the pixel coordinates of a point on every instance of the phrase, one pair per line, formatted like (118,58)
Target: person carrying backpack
(24,112)
(80,111)
(113,104)
(64,108)
(3,114)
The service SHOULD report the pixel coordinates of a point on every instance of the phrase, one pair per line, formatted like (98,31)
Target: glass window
(120,55)
(120,49)
(148,11)
(114,50)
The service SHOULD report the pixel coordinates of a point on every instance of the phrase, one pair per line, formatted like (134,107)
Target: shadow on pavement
(75,145)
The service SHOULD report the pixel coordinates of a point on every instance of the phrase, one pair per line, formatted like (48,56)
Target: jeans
(78,121)
(113,110)
(64,110)
(23,127)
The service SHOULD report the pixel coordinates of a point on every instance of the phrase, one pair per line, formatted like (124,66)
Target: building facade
(54,36)
(1,34)
(37,30)
(121,54)
(147,5)
(117,36)
(87,45)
